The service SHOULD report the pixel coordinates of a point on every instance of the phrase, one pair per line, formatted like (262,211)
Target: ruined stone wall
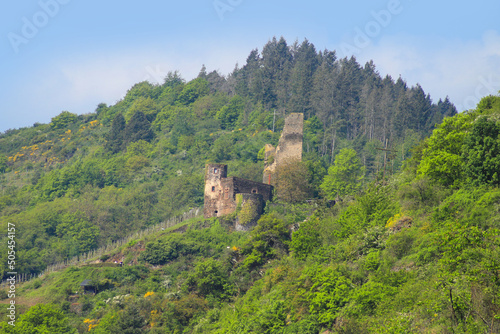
(228,200)
(221,191)
(290,143)
(214,175)
(289,146)
(242,186)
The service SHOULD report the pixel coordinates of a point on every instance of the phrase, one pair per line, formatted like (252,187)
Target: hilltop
(410,245)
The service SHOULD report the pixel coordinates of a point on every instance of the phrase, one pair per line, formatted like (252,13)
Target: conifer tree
(115,137)
(138,128)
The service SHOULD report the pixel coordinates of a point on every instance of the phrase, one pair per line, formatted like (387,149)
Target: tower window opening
(216,170)
(213,188)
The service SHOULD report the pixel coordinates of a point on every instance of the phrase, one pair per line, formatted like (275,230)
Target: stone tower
(289,146)
(214,174)
(221,192)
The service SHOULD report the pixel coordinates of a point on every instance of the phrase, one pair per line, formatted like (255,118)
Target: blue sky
(72,54)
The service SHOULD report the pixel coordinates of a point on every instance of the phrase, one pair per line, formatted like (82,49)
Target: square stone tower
(214,175)
(289,146)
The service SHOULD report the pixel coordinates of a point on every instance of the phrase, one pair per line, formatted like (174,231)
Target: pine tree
(138,128)
(306,61)
(276,66)
(116,135)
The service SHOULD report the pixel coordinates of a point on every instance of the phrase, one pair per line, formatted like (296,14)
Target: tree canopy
(344,176)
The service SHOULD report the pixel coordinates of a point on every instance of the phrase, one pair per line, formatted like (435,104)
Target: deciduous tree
(344,176)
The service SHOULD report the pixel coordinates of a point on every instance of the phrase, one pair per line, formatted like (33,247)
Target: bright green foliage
(268,239)
(481,152)
(147,106)
(344,176)
(210,278)
(164,121)
(63,120)
(442,159)
(43,319)
(465,148)
(306,239)
(330,291)
(164,251)
(76,226)
(369,296)
(228,115)
(193,90)
(206,242)
(489,105)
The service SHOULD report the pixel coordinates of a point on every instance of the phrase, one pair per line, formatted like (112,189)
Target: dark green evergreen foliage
(277,61)
(306,61)
(116,136)
(138,128)
(3,163)
(130,321)
(248,81)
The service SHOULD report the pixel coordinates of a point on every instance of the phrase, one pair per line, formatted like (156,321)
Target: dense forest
(410,246)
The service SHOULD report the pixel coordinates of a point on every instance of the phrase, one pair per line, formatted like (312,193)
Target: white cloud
(79,84)
(463,70)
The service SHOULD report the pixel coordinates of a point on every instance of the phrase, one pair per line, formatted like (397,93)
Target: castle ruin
(289,147)
(226,195)
(221,192)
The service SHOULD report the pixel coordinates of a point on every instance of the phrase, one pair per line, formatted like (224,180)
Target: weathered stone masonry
(289,147)
(226,195)
(221,191)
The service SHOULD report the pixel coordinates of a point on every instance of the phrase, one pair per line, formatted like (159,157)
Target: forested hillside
(80,181)
(410,246)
